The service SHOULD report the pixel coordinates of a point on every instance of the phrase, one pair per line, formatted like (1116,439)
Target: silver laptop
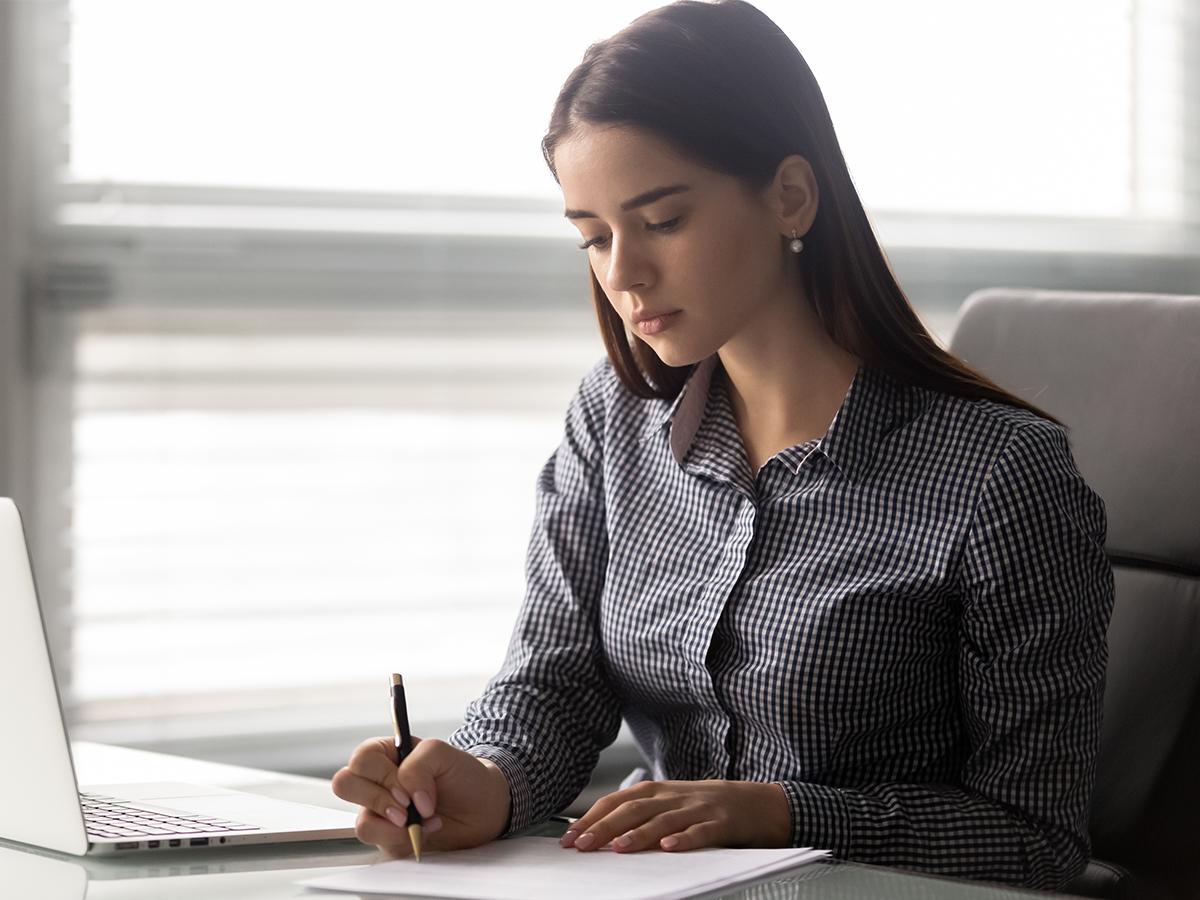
(41,802)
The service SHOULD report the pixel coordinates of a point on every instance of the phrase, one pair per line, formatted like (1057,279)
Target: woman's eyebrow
(640,200)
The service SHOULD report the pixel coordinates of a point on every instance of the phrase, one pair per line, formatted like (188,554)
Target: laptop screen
(39,797)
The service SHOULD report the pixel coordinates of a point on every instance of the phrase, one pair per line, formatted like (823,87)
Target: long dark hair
(727,88)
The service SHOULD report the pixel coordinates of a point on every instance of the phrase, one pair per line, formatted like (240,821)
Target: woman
(847,592)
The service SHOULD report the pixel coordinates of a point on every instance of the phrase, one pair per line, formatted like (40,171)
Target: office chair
(1122,371)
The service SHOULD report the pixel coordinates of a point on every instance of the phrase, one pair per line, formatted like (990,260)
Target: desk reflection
(30,872)
(253,872)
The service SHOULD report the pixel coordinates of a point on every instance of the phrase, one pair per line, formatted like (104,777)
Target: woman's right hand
(464,800)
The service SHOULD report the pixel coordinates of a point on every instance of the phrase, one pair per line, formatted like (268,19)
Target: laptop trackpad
(260,811)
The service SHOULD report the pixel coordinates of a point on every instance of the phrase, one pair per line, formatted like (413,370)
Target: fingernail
(401,797)
(623,841)
(424,804)
(396,817)
(433,826)
(670,843)
(568,838)
(582,843)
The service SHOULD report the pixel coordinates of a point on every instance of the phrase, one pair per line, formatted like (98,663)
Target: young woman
(847,592)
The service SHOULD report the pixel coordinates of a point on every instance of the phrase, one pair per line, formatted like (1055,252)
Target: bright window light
(940,105)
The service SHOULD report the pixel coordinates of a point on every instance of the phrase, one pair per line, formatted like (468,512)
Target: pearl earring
(795,244)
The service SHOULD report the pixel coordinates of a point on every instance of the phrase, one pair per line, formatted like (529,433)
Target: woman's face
(669,240)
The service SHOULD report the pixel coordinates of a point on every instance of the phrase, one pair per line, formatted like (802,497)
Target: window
(1066,108)
(308,316)
(266,505)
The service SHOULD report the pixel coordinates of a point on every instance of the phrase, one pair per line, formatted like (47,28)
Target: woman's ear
(793,195)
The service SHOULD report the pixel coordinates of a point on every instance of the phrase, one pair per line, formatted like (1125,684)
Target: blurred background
(289,314)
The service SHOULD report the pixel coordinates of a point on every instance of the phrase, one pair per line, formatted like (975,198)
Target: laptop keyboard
(111,817)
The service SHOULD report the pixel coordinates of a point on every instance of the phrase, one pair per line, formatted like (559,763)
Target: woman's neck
(786,380)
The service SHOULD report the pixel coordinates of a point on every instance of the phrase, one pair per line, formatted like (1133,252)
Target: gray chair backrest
(1122,371)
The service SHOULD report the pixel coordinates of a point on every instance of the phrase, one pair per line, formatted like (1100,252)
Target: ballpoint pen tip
(414,835)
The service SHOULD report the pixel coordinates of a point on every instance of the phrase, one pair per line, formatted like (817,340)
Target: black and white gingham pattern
(902,623)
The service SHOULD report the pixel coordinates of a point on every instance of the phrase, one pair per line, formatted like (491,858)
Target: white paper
(537,868)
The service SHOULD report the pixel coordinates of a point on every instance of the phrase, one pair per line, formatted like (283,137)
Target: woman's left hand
(685,815)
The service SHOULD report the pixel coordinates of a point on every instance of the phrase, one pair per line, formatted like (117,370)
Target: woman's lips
(658,323)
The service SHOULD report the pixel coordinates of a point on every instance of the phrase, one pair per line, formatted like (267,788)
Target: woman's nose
(628,267)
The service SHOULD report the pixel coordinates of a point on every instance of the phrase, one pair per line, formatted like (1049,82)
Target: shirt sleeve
(1037,595)
(545,717)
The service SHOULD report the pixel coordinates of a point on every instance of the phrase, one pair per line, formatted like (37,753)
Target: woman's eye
(601,242)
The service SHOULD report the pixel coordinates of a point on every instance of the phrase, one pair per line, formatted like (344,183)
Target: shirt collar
(876,403)
(686,411)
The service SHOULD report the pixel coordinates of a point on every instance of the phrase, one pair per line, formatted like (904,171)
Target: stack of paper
(534,868)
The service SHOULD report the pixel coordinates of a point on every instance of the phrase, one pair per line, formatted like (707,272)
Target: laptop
(41,802)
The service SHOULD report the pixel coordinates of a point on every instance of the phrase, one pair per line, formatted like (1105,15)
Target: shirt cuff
(520,796)
(820,817)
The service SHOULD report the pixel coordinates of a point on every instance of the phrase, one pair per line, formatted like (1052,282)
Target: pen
(403,748)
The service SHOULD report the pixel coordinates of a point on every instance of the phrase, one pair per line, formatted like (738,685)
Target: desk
(254,873)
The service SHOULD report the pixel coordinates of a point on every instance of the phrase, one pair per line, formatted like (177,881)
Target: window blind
(268,512)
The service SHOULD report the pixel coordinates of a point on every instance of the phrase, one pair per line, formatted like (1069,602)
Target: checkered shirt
(901,623)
